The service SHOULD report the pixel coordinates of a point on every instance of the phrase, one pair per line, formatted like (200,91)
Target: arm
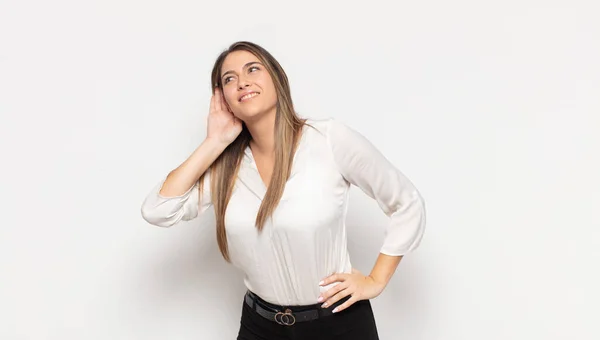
(384,269)
(177,197)
(184,176)
(362,165)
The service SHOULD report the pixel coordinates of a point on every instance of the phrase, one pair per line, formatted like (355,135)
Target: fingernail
(320,283)
(320,299)
(335,310)
(324,305)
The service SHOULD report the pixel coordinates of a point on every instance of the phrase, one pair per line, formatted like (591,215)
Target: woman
(279,188)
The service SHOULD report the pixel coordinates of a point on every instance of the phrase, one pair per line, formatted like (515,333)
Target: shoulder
(334,131)
(327,127)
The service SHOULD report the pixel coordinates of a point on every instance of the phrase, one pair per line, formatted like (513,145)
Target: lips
(248,95)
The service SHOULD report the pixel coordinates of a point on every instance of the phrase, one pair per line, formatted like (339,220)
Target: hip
(261,320)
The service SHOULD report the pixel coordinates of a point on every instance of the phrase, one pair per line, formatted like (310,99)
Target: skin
(242,72)
(357,285)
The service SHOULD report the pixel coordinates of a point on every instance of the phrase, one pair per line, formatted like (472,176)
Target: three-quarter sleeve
(364,166)
(165,211)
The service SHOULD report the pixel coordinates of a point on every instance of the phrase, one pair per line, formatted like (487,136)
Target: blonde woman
(279,187)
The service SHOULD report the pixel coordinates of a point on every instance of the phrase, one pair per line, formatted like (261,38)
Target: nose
(242,82)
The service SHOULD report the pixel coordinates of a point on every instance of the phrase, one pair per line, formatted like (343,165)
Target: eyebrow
(247,64)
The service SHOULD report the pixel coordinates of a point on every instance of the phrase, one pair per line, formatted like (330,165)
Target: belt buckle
(285,318)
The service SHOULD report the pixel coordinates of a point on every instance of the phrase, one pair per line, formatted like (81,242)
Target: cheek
(273,96)
(230,99)
(270,90)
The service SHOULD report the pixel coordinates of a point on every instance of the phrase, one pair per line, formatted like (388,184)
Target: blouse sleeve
(167,211)
(361,164)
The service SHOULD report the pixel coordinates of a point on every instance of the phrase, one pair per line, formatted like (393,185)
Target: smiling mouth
(248,96)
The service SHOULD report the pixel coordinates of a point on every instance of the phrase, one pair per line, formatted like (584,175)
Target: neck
(263,134)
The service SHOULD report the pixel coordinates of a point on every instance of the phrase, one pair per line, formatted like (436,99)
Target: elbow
(421,220)
(155,217)
(413,220)
(422,211)
(166,212)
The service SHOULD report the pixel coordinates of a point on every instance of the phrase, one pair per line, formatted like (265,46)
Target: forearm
(185,176)
(384,268)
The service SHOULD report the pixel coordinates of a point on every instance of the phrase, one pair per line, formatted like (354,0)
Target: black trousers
(356,322)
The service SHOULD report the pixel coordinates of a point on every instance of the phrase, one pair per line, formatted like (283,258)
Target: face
(247,86)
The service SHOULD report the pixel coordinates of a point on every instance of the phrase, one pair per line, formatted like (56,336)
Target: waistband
(288,315)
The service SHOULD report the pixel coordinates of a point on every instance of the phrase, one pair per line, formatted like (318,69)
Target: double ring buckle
(286,319)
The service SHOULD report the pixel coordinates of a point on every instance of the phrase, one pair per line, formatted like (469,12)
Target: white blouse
(305,240)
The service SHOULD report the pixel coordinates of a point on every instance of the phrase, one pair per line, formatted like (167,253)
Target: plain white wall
(490,108)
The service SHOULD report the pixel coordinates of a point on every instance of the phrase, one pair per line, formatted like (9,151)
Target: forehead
(236,60)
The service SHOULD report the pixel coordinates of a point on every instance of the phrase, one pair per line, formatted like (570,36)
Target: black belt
(288,316)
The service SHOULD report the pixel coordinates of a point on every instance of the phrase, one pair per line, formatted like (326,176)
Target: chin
(249,117)
(251,113)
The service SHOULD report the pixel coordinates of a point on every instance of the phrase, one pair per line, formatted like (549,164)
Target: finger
(345,305)
(218,106)
(333,278)
(225,104)
(212,103)
(332,291)
(337,297)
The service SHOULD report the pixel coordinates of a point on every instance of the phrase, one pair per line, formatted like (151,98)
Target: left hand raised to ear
(359,286)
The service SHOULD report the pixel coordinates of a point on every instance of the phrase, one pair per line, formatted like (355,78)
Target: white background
(491,108)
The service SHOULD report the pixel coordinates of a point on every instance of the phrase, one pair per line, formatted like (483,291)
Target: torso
(305,240)
(265,165)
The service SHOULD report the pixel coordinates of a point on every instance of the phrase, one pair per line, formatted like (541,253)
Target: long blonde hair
(288,127)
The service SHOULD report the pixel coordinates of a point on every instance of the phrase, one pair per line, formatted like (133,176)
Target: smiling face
(247,86)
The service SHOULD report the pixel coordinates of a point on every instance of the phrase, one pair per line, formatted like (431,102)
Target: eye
(252,68)
(226,80)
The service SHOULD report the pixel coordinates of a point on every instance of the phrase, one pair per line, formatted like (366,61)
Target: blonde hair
(288,128)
